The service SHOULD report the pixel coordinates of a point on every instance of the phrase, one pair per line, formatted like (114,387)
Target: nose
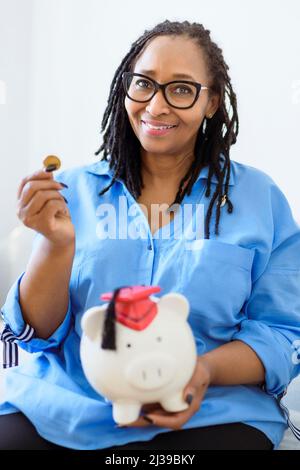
(150,371)
(158,105)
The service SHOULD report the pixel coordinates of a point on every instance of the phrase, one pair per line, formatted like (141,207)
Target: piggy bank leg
(174,403)
(125,412)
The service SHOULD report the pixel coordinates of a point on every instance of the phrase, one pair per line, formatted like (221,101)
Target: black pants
(18,433)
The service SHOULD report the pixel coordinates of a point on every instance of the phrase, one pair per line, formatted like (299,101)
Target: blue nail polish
(51,168)
(148,419)
(189,398)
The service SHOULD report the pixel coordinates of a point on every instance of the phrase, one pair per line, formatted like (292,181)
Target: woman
(164,143)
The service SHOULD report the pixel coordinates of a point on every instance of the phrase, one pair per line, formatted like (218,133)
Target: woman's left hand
(193,393)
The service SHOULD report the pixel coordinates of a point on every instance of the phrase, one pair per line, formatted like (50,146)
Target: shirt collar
(102,168)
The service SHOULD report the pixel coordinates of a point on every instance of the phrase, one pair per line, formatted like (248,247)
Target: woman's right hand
(42,208)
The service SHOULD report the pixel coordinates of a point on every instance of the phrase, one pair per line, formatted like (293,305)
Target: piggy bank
(138,349)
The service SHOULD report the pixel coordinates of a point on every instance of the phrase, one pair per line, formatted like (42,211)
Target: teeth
(157,127)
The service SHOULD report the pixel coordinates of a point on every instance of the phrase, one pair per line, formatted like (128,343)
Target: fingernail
(189,398)
(148,419)
(64,185)
(51,168)
(65,200)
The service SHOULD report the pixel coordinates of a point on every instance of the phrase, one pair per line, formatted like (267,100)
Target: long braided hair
(220,132)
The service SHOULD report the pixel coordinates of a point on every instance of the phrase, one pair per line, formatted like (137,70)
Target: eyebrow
(175,75)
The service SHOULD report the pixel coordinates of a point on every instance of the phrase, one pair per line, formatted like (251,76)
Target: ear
(92,321)
(176,303)
(213,105)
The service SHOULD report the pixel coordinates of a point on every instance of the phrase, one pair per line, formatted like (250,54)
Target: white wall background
(57,59)
(16,68)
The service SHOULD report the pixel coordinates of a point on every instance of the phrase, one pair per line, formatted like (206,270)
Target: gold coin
(51,163)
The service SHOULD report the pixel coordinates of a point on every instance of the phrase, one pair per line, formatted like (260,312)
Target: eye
(159,339)
(182,90)
(142,83)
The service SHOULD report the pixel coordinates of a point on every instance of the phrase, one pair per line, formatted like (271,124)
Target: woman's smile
(157,129)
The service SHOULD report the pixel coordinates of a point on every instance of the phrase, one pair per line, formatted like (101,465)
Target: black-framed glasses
(181,94)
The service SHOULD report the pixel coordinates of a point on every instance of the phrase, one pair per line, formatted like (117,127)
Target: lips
(162,130)
(158,124)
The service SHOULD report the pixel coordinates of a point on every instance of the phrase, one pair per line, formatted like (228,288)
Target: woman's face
(165,57)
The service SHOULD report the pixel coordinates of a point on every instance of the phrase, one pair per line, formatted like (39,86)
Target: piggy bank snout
(150,371)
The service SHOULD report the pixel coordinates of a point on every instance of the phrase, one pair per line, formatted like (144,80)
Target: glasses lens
(139,88)
(180,94)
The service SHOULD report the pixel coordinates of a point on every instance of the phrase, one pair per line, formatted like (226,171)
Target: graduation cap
(130,306)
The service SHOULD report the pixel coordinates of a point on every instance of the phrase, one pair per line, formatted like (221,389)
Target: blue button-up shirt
(243,284)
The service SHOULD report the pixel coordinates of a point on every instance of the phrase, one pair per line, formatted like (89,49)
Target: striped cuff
(10,347)
(293,428)
(286,411)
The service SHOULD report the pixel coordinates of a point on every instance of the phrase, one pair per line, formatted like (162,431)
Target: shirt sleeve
(271,322)
(16,327)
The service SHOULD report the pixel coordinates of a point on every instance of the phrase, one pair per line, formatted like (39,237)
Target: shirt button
(149,246)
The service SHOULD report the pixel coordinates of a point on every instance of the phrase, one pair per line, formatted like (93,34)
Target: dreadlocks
(213,139)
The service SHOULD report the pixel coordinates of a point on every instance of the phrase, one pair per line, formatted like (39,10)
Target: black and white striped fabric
(286,411)
(293,428)
(10,347)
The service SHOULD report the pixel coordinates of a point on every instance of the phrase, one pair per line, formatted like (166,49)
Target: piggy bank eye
(159,339)
(128,345)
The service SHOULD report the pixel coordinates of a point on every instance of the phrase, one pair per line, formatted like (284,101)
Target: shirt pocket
(216,279)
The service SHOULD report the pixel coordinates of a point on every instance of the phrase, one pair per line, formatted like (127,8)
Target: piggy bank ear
(177,303)
(92,321)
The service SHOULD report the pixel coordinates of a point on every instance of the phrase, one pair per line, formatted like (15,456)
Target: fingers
(31,187)
(37,202)
(148,407)
(37,175)
(173,421)
(163,419)
(51,209)
(140,422)
(157,416)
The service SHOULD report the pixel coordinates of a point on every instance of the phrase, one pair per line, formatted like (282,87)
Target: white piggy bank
(154,357)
